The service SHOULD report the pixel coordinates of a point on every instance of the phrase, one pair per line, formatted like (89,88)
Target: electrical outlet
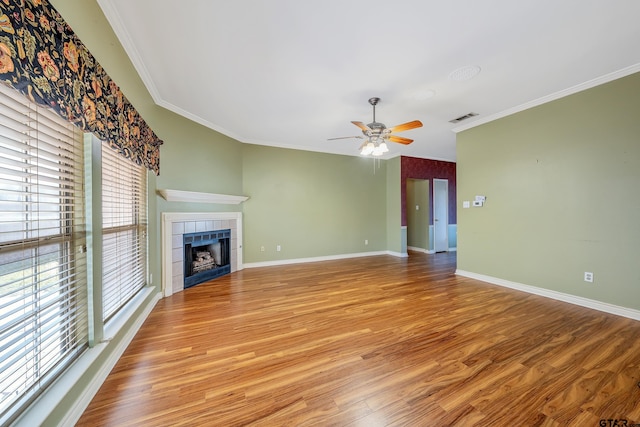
(366,241)
(261,248)
(278,248)
(588,276)
(150,279)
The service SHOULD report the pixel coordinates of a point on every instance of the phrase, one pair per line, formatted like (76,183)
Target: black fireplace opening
(206,256)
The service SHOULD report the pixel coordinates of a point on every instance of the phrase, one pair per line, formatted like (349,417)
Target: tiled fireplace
(176,225)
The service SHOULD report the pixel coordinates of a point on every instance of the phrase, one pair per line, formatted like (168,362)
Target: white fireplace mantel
(197,197)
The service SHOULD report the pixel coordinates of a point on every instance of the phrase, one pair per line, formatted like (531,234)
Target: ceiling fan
(376,134)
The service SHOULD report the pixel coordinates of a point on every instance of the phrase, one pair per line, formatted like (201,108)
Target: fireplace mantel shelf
(193,196)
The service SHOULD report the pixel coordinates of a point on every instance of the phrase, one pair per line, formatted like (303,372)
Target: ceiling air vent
(465,117)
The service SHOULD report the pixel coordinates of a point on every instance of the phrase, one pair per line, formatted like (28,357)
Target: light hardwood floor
(377,341)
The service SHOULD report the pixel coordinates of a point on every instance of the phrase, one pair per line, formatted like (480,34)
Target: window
(43,302)
(124,229)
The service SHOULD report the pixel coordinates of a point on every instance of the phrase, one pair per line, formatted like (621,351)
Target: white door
(440,215)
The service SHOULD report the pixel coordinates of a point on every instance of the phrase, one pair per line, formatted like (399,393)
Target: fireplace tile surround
(175,225)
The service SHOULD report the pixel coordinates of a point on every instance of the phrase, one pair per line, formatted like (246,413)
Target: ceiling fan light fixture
(377,152)
(374,147)
(367,148)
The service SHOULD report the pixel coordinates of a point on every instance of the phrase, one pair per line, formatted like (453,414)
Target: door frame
(440,189)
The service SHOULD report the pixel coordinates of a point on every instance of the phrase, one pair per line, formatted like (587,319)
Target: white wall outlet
(366,242)
(150,278)
(466,204)
(588,276)
(278,248)
(261,248)
(417,207)
(477,204)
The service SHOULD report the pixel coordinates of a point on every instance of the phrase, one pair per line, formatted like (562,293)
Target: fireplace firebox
(206,256)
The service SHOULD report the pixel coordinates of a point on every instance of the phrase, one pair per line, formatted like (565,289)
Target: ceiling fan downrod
(374,101)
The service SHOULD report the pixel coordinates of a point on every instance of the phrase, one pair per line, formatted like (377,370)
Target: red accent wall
(416,168)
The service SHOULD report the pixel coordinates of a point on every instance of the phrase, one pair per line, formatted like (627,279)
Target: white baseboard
(416,249)
(428,251)
(398,254)
(317,259)
(559,296)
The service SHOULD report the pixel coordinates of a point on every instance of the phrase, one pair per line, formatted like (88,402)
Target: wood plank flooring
(377,341)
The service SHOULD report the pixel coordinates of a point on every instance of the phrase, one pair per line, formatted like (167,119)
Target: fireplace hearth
(206,256)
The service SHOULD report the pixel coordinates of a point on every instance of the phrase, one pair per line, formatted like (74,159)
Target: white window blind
(124,228)
(43,303)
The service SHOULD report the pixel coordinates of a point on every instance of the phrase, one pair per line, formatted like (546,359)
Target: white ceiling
(293,73)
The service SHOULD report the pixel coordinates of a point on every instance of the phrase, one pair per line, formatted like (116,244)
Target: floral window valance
(41,57)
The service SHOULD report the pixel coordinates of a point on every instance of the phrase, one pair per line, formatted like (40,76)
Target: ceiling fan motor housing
(376,129)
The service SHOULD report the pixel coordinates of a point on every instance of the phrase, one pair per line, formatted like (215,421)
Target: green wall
(396,234)
(311,204)
(193,157)
(561,182)
(336,202)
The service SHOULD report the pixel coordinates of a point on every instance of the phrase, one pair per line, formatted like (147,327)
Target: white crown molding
(572,299)
(552,97)
(197,197)
(120,30)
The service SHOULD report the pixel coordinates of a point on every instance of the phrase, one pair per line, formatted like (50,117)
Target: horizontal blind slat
(44,322)
(124,220)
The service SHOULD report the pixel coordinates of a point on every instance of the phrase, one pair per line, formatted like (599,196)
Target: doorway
(440,215)
(418,215)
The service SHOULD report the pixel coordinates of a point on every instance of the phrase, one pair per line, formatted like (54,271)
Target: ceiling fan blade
(362,126)
(406,126)
(345,137)
(400,140)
